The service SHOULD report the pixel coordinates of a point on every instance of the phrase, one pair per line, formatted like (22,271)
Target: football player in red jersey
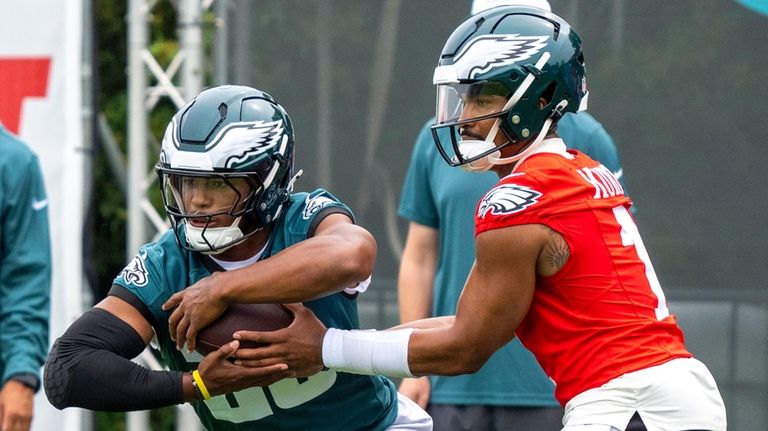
(560,263)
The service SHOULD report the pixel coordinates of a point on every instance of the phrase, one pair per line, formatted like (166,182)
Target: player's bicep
(349,247)
(129,314)
(328,216)
(95,350)
(338,224)
(343,232)
(500,286)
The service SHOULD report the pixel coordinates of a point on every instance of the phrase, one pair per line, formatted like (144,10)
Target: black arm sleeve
(131,298)
(90,367)
(322,214)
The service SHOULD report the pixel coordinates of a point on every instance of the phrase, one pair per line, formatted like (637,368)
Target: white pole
(221,45)
(137,123)
(191,43)
(137,149)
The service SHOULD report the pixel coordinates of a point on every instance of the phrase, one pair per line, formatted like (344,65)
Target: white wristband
(368,352)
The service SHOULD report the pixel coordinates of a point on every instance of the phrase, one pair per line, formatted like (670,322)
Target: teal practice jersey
(25,260)
(328,400)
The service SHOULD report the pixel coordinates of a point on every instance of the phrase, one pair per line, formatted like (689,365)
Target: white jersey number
(631,236)
(251,404)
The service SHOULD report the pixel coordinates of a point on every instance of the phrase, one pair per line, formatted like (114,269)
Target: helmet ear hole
(548,95)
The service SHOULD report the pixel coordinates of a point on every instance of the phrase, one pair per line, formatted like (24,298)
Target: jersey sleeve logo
(37,205)
(135,272)
(507,199)
(315,204)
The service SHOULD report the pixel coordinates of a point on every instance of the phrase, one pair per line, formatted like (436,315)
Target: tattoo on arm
(556,253)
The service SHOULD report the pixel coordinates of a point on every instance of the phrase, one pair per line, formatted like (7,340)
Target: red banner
(21,78)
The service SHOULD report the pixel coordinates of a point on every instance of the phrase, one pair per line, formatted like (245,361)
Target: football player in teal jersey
(239,235)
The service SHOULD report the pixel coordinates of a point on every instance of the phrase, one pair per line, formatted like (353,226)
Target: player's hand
(417,389)
(300,345)
(16,405)
(221,376)
(196,306)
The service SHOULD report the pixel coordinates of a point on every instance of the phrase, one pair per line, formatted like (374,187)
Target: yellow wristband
(200,385)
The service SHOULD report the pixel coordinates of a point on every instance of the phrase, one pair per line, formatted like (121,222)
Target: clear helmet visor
(459,104)
(210,207)
(460,101)
(191,196)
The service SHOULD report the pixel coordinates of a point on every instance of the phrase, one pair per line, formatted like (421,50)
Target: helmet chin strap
(289,187)
(494,159)
(228,236)
(470,148)
(214,238)
(288,190)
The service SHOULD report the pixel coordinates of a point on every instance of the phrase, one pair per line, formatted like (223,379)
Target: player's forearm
(90,367)
(428,323)
(443,351)
(308,270)
(437,348)
(414,292)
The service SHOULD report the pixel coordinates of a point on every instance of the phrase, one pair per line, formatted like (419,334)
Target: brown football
(242,317)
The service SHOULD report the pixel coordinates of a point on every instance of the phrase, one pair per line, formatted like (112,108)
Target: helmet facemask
(476,155)
(204,203)
(534,56)
(226,167)
(486,101)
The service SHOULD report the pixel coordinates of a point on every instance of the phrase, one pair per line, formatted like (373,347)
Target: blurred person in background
(560,263)
(240,235)
(25,281)
(439,202)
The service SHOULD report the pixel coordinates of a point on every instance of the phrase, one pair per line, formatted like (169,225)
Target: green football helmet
(522,53)
(228,152)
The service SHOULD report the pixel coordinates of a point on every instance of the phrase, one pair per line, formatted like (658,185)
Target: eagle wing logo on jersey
(314,205)
(507,199)
(492,51)
(135,272)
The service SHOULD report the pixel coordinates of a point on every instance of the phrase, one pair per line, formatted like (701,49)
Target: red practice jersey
(603,313)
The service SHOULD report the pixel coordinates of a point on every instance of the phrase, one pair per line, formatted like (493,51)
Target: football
(242,317)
